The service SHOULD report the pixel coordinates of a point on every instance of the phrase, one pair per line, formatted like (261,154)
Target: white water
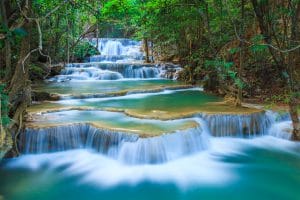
(120,58)
(129,148)
(200,168)
(249,125)
(282,130)
(117,50)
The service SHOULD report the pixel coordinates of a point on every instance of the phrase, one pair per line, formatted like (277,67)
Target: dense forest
(245,50)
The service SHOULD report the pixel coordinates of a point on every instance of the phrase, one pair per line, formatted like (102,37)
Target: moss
(37,71)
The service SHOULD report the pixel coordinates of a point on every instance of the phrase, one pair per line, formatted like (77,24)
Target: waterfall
(120,58)
(141,72)
(164,148)
(282,130)
(62,138)
(106,71)
(126,147)
(117,50)
(245,125)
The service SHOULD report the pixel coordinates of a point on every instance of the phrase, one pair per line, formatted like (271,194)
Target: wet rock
(169,70)
(56,69)
(44,96)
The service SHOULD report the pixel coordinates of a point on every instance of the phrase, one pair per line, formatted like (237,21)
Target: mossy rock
(44,96)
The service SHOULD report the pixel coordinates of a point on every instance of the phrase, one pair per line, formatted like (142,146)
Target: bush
(84,49)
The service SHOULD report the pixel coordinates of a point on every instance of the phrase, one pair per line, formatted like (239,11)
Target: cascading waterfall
(247,125)
(108,71)
(117,50)
(164,148)
(126,147)
(120,58)
(131,149)
(62,138)
(282,130)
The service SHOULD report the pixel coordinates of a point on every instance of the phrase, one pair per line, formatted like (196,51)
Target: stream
(123,129)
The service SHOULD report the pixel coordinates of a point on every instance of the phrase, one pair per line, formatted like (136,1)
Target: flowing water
(122,131)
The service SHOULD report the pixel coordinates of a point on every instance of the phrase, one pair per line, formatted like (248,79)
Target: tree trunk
(56,38)
(68,42)
(146,49)
(6,42)
(293,68)
(239,97)
(295,119)
(19,88)
(19,95)
(259,10)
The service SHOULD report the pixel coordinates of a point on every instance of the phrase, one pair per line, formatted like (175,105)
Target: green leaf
(258,48)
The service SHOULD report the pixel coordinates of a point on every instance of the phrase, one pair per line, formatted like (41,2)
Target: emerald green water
(172,101)
(167,104)
(113,120)
(82,87)
(263,168)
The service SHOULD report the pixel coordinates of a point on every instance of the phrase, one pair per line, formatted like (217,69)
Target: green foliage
(84,49)
(36,72)
(234,50)
(4,106)
(283,98)
(225,69)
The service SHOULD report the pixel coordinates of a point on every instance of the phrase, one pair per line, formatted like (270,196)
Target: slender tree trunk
(294,73)
(285,63)
(146,49)
(265,30)
(19,88)
(68,42)
(57,37)
(241,63)
(295,118)
(97,36)
(6,43)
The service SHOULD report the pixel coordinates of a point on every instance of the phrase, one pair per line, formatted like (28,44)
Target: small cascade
(141,72)
(282,130)
(106,71)
(164,148)
(126,147)
(120,58)
(89,73)
(117,50)
(235,125)
(75,136)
